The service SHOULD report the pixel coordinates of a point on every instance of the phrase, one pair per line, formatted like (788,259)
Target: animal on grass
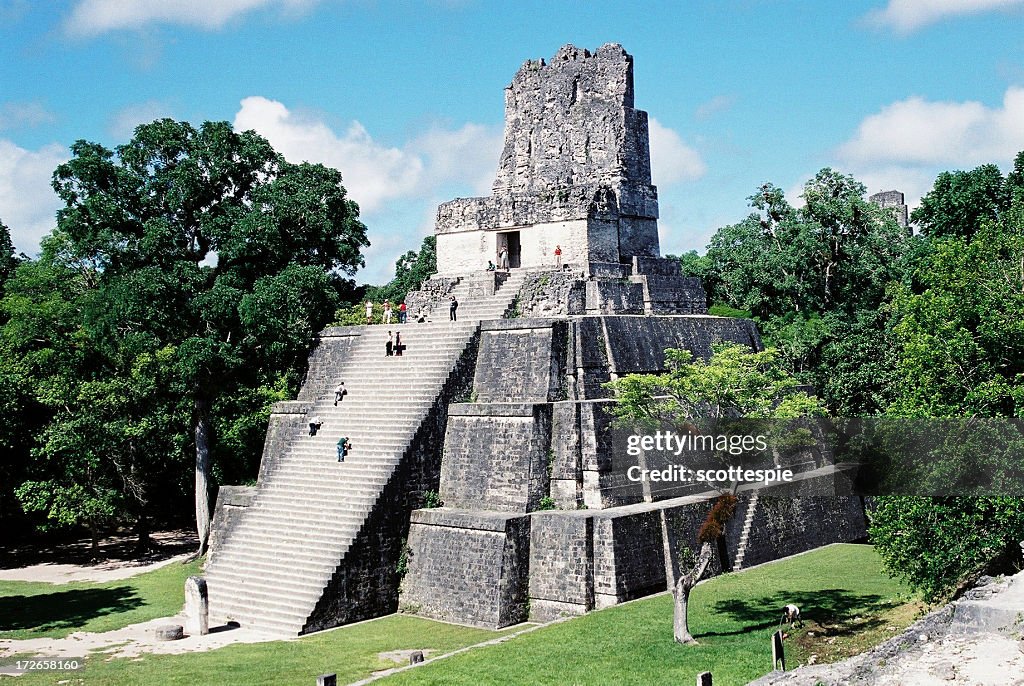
(791,616)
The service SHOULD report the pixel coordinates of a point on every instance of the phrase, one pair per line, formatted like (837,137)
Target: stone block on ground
(169,632)
(197,606)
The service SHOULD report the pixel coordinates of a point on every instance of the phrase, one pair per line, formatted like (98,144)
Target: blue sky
(406,98)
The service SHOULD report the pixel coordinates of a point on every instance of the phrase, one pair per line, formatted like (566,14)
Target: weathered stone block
(469,567)
(521,360)
(231,503)
(496,456)
(197,606)
(169,632)
(561,564)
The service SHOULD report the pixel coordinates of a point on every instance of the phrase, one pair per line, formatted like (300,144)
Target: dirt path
(72,561)
(131,641)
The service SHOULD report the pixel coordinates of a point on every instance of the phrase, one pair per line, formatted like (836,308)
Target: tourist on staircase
(401,313)
(314,425)
(387,312)
(452,309)
(339,393)
(389,347)
(398,344)
(344,445)
(369,312)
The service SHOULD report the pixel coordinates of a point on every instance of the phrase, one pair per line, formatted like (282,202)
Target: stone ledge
(291,407)
(465,519)
(521,324)
(493,409)
(342,331)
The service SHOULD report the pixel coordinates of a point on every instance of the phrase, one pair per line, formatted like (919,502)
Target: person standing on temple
(389,347)
(369,312)
(387,312)
(503,258)
(452,309)
(401,313)
(558,256)
(398,344)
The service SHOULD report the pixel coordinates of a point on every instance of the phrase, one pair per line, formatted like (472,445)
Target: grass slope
(351,652)
(847,601)
(35,610)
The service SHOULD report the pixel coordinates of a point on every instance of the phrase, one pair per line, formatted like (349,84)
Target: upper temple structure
(482,483)
(575,172)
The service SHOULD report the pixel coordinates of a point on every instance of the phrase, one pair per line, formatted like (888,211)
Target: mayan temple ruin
(503,414)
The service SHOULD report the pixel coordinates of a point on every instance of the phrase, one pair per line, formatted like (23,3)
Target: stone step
(346,480)
(285,535)
(267,606)
(267,587)
(265,561)
(309,508)
(341,490)
(268,626)
(313,572)
(291,525)
(286,521)
(302,498)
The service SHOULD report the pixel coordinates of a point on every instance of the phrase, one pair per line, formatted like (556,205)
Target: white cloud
(94,17)
(372,173)
(397,188)
(468,155)
(716,105)
(672,160)
(375,173)
(27,202)
(906,16)
(15,115)
(922,132)
(123,122)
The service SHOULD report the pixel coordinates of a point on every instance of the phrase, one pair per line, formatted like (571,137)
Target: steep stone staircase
(748,524)
(309,508)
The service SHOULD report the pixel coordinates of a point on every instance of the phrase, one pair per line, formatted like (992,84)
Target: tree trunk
(202,473)
(681,594)
(680,625)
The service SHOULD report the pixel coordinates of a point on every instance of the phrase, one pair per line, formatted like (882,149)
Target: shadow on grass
(833,609)
(64,609)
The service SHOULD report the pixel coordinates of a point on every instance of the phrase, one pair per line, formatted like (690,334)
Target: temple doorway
(510,240)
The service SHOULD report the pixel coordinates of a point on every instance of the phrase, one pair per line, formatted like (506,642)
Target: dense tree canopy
(814,277)
(960,202)
(7,260)
(175,301)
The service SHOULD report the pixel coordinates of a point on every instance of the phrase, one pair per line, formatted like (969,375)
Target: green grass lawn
(34,610)
(848,604)
(847,600)
(350,652)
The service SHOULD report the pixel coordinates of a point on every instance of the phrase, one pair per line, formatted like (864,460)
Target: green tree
(814,278)
(411,270)
(208,243)
(937,544)
(734,382)
(7,259)
(958,334)
(960,331)
(961,201)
